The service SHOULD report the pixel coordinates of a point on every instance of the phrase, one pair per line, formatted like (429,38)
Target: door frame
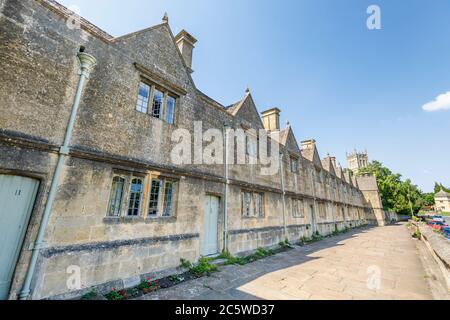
(220,213)
(33,218)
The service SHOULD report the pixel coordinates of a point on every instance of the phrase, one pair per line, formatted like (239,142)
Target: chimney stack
(333,161)
(271,119)
(308,144)
(186,44)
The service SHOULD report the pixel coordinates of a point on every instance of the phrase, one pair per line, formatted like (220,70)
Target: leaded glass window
(115,200)
(170,109)
(154,198)
(143,98)
(158,98)
(135,197)
(168,198)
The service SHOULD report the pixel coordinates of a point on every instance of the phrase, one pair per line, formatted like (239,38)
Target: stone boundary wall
(439,247)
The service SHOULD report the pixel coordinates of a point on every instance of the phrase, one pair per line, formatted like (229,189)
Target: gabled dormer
(348,178)
(159,52)
(245,112)
(309,152)
(327,164)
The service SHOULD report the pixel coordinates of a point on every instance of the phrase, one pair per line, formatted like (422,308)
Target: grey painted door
(17,196)
(210,226)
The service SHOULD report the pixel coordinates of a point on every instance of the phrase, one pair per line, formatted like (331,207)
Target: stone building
(442,201)
(121,209)
(357,160)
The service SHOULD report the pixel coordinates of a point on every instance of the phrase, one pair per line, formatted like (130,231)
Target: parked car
(446,232)
(438,225)
(438,218)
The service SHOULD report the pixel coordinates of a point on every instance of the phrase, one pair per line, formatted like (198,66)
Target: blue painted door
(17,196)
(210,226)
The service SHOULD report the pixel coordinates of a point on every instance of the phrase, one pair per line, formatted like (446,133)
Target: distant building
(357,160)
(442,201)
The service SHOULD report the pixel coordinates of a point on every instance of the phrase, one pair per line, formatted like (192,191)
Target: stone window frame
(163,112)
(251,145)
(300,205)
(293,159)
(251,208)
(143,211)
(132,193)
(161,205)
(123,195)
(126,194)
(322,210)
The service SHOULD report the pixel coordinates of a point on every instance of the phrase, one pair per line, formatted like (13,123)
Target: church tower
(357,160)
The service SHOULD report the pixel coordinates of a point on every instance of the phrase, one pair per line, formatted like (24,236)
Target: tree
(439,186)
(396,195)
(427,199)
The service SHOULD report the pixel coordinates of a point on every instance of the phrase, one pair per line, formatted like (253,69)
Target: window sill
(111,220)
(131,219)
(161,219)
(159,119)
(253,218)
(117,220)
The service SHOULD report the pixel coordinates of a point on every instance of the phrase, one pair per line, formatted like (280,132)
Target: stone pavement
(371,263)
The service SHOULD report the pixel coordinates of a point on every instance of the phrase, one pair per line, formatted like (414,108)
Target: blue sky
(336,81)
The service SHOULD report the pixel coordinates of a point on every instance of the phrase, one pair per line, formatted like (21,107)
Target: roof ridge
(88,26)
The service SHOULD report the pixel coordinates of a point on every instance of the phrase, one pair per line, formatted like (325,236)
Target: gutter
(87,63)
(225,198)
(284,195)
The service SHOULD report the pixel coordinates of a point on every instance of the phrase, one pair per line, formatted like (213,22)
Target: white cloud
(442,102)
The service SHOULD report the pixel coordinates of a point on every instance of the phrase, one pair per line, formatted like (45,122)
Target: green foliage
(397,195)
(284,244)
(175,278)
(114,295)
(316,237)
(439,186)
(186,264)
(90,295)
(230,258)
(203,268)
(417,234)
(426,199)
(148,285)
(303,240)
(260,253)
(338,232)
(123,294)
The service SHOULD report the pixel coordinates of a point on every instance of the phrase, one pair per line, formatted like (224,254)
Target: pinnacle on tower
(165,19)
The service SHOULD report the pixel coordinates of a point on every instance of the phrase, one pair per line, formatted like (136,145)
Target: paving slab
(365,264)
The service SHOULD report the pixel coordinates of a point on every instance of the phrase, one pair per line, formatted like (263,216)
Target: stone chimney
(308,144)
(186,45)
(271,119)
(333,161)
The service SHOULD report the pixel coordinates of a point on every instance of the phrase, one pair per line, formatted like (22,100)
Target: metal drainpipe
(314,222)
(284,195)
(87,63)
(225,197)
